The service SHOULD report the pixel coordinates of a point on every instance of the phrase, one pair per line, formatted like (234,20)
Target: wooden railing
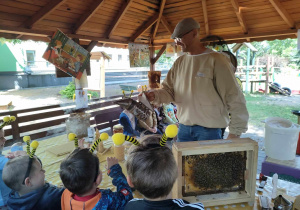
(40,122)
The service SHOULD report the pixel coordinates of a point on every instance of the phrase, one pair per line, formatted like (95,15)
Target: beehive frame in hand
(185,151)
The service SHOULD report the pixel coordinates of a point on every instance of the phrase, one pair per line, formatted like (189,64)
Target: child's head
(80,172)
(14,173)
(2,139)
(151,168)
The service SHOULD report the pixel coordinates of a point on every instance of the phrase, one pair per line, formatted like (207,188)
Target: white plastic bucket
(281,137)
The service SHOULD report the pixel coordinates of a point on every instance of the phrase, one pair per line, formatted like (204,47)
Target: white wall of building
(120,57)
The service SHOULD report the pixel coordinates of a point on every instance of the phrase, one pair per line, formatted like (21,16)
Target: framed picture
(139,55)
(67,55)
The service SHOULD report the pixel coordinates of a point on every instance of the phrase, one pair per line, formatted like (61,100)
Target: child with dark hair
(29,192)
(152,170)
(81,176)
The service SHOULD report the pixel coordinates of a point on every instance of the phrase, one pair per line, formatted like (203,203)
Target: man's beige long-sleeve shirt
(205,91)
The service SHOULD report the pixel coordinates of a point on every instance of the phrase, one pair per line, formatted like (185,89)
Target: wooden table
(52,162)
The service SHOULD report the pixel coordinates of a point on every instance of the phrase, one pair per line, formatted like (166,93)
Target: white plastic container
(281,137)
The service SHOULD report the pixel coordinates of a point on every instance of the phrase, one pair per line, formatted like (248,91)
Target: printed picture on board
(139,55)
(154,79)
(67,55)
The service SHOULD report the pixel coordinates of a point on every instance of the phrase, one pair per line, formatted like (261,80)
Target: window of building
(119,57)
(30,57)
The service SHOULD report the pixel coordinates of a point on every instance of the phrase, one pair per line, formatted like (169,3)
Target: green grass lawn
(260,107)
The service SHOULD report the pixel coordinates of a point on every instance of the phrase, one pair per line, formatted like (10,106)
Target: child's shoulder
(53,190)
(182,204)
(174,204)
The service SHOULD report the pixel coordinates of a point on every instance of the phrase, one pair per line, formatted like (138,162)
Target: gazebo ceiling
(118,22)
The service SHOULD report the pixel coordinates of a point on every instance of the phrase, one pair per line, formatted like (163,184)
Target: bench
(48,121)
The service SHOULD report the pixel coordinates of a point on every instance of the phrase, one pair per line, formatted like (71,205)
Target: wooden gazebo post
(152,54)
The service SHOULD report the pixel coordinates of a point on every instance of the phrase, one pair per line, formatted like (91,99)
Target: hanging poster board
(67,55)
(139,55)
(154,79)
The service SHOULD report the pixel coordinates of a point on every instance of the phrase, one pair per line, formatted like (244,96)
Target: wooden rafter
(239,15)
(205,17)
(161,51)
(250,35)
(144,27)
(86,16)
(118,18)
(283,13)
(91,46)
(19,36)
(46,33)
(161,9)
(166,24)
(52,5)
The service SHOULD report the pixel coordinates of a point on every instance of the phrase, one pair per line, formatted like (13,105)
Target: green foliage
(69,91)
(283,51)
(296,59)
(94,94)
(13,41)
(260,107)
(282,48)
(164,60)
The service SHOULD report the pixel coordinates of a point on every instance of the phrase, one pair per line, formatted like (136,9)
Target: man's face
(38,177)
(2,139)
(185,41)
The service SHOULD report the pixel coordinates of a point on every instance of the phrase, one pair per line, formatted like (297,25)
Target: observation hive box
(216,172)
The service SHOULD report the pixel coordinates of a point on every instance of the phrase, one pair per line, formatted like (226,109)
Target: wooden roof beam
(52,5)
(245,36)
(239,15)
(47,33)
(161,9)
(169,28)
(118,18)
(204,7)
(86,16)
(161,51)
(91,45)
(144,27)
(283,13)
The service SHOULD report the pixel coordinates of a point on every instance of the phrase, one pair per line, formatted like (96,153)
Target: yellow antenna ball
(6,119)
(12,118)
(71,136)
(104,136)
(26,138)
(34,144)
(171,131)
(118,138)
(131,91)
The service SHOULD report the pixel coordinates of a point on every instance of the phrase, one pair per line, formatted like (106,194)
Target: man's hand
(111,161)
(232,136)
(149,94)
